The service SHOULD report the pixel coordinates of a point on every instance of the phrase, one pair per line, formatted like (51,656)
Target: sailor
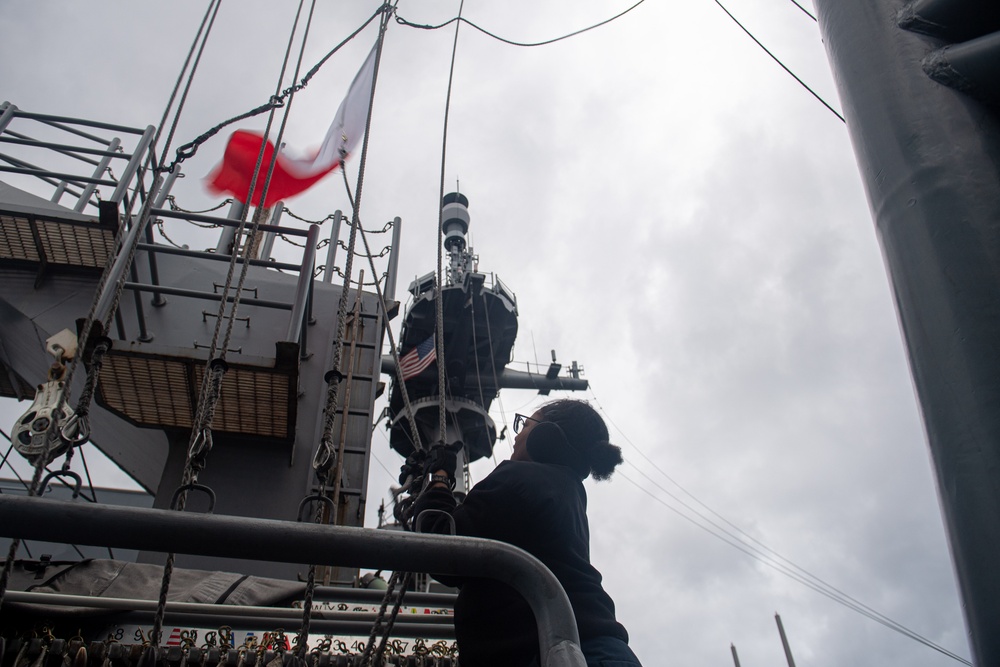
(535,501)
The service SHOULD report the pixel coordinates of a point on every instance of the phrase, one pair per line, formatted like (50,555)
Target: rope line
(200,441)
(459,19)
(275,102)
(439,284)
(51,435)
(414,432)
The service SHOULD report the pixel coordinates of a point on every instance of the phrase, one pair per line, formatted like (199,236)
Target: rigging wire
(414,432)
(460,19)
(52,432)
(276,101)
(846,601)
(807,12)
(200,442)
(763,553)
(783,66)
(439,286)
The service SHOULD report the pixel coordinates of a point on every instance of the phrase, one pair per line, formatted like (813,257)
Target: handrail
(292,542)
(295,322)
(132,168)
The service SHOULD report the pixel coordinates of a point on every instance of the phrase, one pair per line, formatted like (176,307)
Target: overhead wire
(778,60)
(806,11)
(461,19)
(846,601)
(762,553)
(439,283)
(511,42)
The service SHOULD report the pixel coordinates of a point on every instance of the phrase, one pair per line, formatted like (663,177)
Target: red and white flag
(292,176)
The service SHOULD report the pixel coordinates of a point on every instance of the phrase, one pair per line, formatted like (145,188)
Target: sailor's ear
(548,444)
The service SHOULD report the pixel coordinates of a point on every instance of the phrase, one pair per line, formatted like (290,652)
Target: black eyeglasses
(519,421)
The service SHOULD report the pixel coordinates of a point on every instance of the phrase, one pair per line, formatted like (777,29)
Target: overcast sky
(674,212)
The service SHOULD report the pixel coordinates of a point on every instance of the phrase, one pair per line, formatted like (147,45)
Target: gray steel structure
(269,418)
(930,161)
(479,325)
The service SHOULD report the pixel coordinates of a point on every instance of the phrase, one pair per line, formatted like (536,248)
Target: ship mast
(930,161)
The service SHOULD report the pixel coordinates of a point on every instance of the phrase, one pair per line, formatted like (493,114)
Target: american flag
(416,360)
(175,637)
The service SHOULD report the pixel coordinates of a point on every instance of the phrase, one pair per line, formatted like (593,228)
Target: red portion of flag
(233,174)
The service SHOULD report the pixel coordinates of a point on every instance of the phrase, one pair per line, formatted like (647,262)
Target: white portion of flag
(347,128)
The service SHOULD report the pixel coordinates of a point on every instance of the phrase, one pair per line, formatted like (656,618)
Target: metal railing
(63,158)
(289,542)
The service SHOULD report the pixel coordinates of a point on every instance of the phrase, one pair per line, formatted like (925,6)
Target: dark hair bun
(604,458)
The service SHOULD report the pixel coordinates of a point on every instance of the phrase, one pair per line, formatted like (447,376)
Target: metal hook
(316,496)
(420,518)
(77,482)
(194,486)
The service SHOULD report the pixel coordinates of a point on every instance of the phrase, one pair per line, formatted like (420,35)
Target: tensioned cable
(806,11)
(93,491)
(276,101)
(771,553)
(55,425)
(676,483)
(765,554)
(439,287)
(845,601)
(783,66)
(493,370)
(459,18)
(414,432)
(200,440)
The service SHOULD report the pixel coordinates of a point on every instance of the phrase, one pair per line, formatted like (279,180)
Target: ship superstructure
(157,342)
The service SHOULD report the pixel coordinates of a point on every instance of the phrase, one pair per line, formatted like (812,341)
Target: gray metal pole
(268,245)
(121,262)
(290,542)
(784,642)
(930,161)
(331,250)
(302,286)
(8,114)
(168,185)
(133,165)
(393,271)
(228,236)
(98,171)
(736,658)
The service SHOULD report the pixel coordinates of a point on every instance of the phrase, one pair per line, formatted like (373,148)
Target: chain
(163,233)
(174,207)
(311,222)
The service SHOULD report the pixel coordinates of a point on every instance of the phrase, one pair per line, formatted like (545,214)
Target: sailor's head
(570,433)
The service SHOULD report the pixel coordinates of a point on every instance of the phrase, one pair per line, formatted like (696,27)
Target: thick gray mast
(930,161)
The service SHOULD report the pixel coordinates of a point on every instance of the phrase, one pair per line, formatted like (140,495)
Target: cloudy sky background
(675,213)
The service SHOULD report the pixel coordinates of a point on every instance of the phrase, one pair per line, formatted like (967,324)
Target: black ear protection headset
(547,443)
